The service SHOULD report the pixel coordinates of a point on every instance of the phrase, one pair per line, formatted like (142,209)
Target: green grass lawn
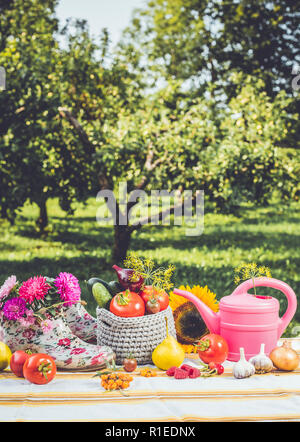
(77,244)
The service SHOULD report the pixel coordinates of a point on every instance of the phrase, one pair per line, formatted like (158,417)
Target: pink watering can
(247,320)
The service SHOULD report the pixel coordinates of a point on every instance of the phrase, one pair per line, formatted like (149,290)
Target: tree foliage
(197,96)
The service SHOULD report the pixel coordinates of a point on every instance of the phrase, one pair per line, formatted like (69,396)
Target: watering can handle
(275,284)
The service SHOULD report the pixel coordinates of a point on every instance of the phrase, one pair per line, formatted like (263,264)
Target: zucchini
(115,287)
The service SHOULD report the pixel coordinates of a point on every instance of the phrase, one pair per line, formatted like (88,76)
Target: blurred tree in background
(197,95)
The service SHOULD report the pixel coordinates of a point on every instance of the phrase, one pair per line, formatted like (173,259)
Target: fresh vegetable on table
(243,368)
(127,304)
(212,348)
(39,368)
(284,357)
(262,363)
(17,362)
(129,364)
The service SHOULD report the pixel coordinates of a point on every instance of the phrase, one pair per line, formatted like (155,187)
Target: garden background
(194,95)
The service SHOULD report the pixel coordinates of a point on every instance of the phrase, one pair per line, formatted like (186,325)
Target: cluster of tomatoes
(37,368)
(149,300)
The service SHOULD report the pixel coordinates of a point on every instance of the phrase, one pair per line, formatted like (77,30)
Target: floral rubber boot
(58,341)
(81,323)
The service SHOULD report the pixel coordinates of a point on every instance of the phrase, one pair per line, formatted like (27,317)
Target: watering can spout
(211,319)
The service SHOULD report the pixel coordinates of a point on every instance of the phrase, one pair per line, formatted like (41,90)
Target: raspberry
(194,373)
(171,371)
(187,368)
(180,374)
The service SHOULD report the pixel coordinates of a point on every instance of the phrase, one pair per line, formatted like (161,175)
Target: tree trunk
(42,221)
(122,236)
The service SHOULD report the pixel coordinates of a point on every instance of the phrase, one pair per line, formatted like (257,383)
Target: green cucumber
(101,294)
(93,281)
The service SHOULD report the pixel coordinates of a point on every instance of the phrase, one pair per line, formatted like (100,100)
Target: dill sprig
(159,278)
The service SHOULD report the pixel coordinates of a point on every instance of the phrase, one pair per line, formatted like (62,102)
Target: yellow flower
(189,324)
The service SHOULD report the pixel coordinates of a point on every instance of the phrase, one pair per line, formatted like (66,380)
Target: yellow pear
(169,353)
(5,355)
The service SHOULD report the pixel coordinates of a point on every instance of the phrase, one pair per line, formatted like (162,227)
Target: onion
(284,357)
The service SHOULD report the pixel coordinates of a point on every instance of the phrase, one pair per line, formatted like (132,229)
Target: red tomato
(39,368)
(17,361)
(127,304)
(212,348)
(160,295)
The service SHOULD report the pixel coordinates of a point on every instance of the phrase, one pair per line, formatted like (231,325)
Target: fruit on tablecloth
(17,361)
(112,380)
(127,304)
(180,374)
(5,355)
(116,381)
(284,357)
(129,364)
(168,353)
(171,371)
(147,372)
(212,348)
(39,369)
(193,372)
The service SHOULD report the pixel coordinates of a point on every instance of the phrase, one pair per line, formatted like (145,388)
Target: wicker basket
(136,336)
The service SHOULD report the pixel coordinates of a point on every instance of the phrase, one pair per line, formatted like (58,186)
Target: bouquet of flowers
(38,299)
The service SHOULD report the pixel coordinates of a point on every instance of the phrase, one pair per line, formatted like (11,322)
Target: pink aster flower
(34,288)
(46,326)
(7,287)
(68,288)
(14,309)
(28,319)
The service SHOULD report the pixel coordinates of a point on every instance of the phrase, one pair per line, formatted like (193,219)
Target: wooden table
(80,397)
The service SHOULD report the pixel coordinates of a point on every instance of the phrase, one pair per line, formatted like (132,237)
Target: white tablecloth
(80,397)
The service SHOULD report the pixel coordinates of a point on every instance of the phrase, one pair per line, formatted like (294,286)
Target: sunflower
(189,324)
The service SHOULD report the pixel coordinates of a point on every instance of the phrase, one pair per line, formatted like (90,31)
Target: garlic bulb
(243,368)
(261,362)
